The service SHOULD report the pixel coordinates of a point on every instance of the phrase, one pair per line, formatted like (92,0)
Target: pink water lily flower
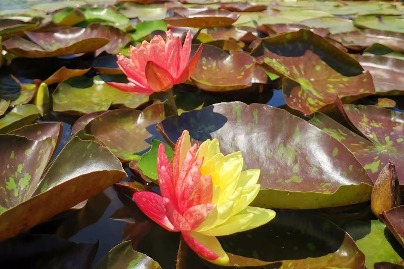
(204,194)
(159,65)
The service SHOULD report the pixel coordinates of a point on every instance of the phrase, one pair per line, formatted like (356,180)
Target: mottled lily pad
(86,95)
(203,19)
(314,71)
(373,157)
(384,128)
(27,92)
(219,71)
(380,22)
(123,256)
(54,43)
(322,173)
(394,219)
(28,196)
(387,73)
(126,132)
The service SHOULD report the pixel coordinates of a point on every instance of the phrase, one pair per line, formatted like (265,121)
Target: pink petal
(174,58)
(180,150)
(158,78)
(130,87)
(185,51)
(190,69)
(197,214)
(153,206)
(165,175)
(129,69)
(208,247)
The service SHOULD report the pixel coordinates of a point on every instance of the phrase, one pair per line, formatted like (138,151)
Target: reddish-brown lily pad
(394,219)
(9,26)
(372,156)
(129,135)
(86,95)
(28,197)
(243,7)
(359,40)
(64,73)
(219,71)
(386,191)
(384,128)
(387,73)
(56,42)
(319,173)
(312,77)
(203,19)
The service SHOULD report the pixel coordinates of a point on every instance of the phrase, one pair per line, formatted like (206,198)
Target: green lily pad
(376,247)
(27,92)
(333,24)
(4,104)
(312,77)
(86,95)
(143,29)
(148,161)
(380,22)
(322,173)
(56,42)
(123,256)
(143,12)
(372,156)
(9,26)
(28,196)
(107,16)
(126,132)
(19,116)
(68,16)
(218,71)
(290,16)
(386,73)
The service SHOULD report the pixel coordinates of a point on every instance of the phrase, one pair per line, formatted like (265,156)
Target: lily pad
(203,19)
(372,157)
(126,132)
(243,7)
(143,12)
(291,168)
(27,92)
(376,247)
(9,26)
(359,40)
(384,128)
(68,16)
(45,251)
(394,219)
(218,71)
(40,131)
(386,73)
(86,95)
(64,73)
(26,191)
(107,16)
(143,29)
(4,104)
(312,76)
(386,191)
(19,116)
(123,256)
(333,24)
(298,240)
(380,22)
(54,43)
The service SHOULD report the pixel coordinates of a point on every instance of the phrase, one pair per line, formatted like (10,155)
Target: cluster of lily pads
(309,92)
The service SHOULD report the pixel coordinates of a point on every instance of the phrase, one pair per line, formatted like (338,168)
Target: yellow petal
(249,177)
(249,218)
(208,149)
(217,216)
(247,196)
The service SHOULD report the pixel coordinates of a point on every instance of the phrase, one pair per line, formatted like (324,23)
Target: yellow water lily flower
(204,194)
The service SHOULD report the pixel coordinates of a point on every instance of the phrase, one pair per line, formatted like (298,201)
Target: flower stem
(172,107)
(182,254)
